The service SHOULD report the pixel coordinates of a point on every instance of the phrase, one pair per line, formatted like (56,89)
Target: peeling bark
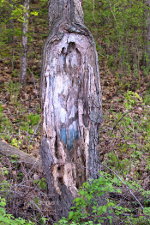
(71,99)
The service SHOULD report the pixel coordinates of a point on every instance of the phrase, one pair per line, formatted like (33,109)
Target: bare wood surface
(71,99)
(22,157)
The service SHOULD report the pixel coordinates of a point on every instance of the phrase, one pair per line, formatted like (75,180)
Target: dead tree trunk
(71,99)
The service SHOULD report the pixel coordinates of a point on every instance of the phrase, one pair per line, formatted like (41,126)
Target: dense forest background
(121,32)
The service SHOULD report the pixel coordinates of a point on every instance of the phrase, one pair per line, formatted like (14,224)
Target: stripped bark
(71,98)
(24,42)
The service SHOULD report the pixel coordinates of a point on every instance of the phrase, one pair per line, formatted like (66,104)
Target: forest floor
(124,137)
(124,134)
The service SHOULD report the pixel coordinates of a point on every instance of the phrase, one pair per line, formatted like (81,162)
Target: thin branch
(126,186)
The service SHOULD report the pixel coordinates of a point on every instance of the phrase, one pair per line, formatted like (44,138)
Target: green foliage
(147,97)
(93,205)
(4,186)
(42,184)
(131,130)
(15,142)
(131,100)
(33,119)
(118,28)
(5,125)
(11,19)
(13,88)
(8,219)
(29,122)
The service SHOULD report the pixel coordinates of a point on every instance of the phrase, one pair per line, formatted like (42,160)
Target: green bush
(8,219)
(130,134)
(93,205)
(118,27)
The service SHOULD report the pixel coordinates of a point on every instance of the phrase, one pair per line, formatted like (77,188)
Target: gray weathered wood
(71,99)
(22,157)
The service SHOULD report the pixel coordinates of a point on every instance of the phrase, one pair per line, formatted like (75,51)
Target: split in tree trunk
(71,99)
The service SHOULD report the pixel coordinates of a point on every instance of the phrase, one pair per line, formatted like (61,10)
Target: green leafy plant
(13,89)
(131,132)
(121,43)
(93,204)
(16,142)
(41,183)
(29,122)
(33,119)
(8,219)
(6,126)
(131,100)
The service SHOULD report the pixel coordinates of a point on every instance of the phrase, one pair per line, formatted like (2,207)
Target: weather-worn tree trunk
(24,41)
(71,99)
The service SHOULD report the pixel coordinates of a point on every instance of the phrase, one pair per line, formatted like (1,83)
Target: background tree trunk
(24,41)
(148,33)
(71,99)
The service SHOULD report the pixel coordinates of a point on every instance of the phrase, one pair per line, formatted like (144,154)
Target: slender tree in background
(71,98)
(24,41)
(148,33)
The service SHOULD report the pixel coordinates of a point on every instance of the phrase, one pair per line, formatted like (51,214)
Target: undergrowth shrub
(94,205)
(5,125)
(8,219)
(119,27)
(130,134)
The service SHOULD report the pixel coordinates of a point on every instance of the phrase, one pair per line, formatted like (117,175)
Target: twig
(126,186)
(114,127)
(35,131)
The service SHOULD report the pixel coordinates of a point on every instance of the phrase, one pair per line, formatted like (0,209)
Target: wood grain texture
(71,99)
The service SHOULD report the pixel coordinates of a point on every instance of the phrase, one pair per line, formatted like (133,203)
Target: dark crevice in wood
(56,148)
(60,180)
(71,104)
